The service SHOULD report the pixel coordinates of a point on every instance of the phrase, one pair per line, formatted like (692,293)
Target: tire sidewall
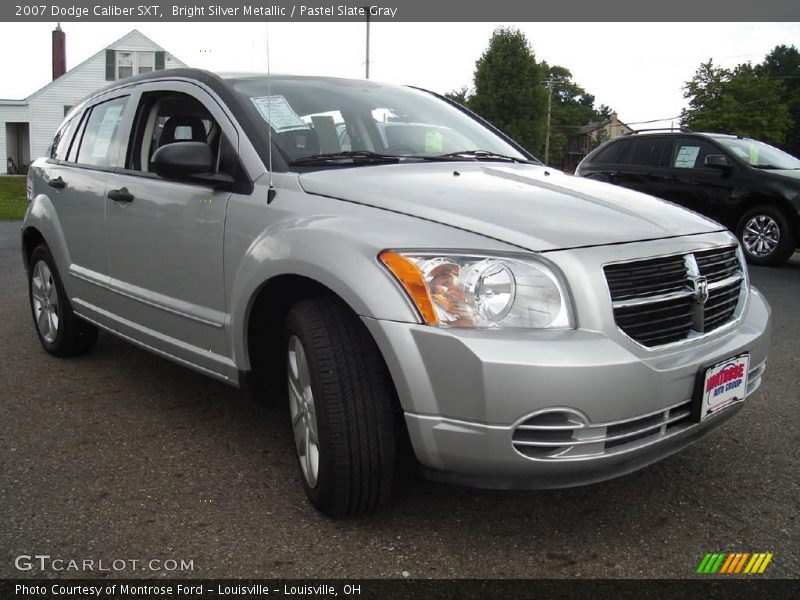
(322,492)
(786,241)
(42,254)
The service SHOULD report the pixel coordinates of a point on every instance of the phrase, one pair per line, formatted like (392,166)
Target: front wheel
(61,332)
(341,405)
(767,235)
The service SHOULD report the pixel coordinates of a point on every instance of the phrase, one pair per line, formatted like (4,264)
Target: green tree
(783,64)
(461,95)
(572,107)
(736,101)
(508,88)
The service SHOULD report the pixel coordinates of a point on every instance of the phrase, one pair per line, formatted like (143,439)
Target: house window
(132,63)
(147,62)
(125,62)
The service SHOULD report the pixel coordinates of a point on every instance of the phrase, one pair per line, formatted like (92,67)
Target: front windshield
(323,116)
(759,154)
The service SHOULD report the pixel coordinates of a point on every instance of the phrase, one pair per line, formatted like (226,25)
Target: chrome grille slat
(654,310)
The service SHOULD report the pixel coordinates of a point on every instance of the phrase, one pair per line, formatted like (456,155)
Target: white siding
(135,41)
(47,105)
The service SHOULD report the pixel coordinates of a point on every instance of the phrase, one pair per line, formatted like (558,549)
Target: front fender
(348,268)
(332,242)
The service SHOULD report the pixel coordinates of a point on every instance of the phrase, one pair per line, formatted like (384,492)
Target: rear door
(646,168)
(79,172)
(166,238)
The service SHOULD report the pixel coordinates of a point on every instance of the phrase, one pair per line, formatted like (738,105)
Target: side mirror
(189,161)
(717,161)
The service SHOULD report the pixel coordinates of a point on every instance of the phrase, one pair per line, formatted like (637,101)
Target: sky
(638,69)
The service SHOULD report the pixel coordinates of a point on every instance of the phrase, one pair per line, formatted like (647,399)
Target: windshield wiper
(485,155)
(356,156)
(767,166)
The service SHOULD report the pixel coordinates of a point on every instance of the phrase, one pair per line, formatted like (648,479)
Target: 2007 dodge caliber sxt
(403,270)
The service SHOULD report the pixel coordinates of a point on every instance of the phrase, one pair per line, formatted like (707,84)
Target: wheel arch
(263,331)
(31,238)
(778,202)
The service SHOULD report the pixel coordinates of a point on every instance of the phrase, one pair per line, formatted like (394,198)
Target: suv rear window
(615,153)
(647,151)
(63,139)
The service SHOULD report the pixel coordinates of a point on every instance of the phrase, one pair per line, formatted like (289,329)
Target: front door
(695,186)
(166,237)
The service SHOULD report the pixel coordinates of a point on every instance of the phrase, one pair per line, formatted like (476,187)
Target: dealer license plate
(724,384)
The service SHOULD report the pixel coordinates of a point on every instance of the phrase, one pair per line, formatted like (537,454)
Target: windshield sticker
(275,110)
(687,156)
(433,142)
(753,154)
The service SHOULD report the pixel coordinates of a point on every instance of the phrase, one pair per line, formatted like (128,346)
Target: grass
(12,197)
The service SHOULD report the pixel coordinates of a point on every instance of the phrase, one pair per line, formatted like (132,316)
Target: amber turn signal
(411,278)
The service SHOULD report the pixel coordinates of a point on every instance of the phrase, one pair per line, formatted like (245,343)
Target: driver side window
(165,118)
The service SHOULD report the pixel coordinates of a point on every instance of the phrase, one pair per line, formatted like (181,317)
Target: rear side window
(690,153)
(99,141)
(615,153)
(648,150)
(62,140)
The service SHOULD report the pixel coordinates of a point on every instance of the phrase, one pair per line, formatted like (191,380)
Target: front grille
(717,264)
(663,300)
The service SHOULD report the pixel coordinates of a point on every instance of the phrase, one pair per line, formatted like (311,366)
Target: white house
(27,126)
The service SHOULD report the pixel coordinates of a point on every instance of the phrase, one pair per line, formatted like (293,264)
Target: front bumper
(465,394)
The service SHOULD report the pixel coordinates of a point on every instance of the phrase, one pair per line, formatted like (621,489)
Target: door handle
(57,183)
(121,195)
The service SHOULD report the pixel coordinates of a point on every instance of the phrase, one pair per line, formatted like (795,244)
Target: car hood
(787,173)
(530,206)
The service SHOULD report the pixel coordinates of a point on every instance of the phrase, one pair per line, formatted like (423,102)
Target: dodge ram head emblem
(700,290)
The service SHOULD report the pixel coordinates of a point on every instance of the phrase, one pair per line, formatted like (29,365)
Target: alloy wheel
(761,235)
(303,411)
(45,301)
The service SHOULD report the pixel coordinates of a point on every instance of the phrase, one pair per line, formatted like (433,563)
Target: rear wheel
(341,405)
(767,235)
(61,332)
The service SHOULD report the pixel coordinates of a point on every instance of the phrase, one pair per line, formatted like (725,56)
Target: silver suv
(430,282)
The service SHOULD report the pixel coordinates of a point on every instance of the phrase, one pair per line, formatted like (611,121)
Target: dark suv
(749,186)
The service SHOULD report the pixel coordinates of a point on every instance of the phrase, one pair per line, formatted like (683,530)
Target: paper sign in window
(686,157)
(275,110)
(105,132)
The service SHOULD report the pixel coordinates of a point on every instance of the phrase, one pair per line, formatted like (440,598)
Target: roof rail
(678,129)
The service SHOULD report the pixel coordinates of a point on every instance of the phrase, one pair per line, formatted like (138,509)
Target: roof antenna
(271,190)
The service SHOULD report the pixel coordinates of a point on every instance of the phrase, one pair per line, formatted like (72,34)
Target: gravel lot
(122,455)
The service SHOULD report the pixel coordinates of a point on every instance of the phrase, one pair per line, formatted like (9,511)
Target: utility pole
(367,63)
(549,83)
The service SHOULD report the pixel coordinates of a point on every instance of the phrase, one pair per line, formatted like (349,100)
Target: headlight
(29,191)
(479,291)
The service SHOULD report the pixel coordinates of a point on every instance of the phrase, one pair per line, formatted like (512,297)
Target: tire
(61,332)
(756,230)
(351,408)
